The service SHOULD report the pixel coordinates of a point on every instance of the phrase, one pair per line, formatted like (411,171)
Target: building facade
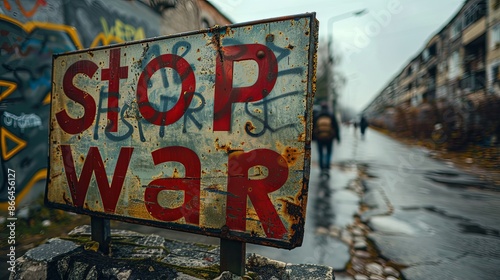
(454,81)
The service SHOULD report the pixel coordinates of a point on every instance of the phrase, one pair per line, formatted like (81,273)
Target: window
(425,55)
(414,67)
(495,4)
(496,74)
(433,50)
(456,28)
(474,13)
(495,36)
(429,52)
(441,92)
(454,65)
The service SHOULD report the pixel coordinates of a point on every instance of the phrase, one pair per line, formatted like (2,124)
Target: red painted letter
(94,164)
(190,184)
(67,123)
(240,186)
(186,73)
(226,95)
(113,74)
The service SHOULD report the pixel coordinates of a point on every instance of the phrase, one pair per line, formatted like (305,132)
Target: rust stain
(222,147)
(282,162)
(315,63)
(270,38)
(137,208)
(291,155)
(302,137)
(154,177)
(175,173)
(294,211)
(259,172)
(66,199)
(249,126)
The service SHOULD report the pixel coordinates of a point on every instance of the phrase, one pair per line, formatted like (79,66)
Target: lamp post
(331,94)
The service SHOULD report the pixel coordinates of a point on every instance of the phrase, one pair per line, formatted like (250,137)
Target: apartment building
(457,70)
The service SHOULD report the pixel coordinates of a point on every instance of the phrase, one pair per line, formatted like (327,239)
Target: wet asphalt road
(439,222)
(433,220)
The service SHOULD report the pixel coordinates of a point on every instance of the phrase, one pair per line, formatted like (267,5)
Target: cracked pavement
(433,220)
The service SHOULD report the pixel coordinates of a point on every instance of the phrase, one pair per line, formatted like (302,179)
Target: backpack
(323,128)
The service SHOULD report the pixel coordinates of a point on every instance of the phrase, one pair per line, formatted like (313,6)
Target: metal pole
(331,98)
(232,256)
(101,232)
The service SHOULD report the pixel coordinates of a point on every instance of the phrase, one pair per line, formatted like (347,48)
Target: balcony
(477,64)
(473,81)
(475,30)
(431,84)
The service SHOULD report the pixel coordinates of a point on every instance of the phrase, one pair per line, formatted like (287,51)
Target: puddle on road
(478,197)
(477,229)
(345,196)
(390,225)
(451,178)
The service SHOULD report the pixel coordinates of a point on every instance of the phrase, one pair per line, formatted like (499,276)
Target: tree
(327,65)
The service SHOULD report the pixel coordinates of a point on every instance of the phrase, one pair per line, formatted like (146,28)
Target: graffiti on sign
(206,132)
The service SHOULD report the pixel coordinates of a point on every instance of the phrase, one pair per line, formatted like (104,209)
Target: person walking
(325,130)
(363,124)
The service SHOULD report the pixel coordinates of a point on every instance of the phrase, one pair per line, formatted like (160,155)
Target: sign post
(232,256)
(206,132)
(101,233)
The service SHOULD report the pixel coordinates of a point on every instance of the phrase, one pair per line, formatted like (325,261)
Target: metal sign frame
(239,131)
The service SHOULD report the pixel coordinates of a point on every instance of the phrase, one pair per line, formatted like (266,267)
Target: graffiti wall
(30,32)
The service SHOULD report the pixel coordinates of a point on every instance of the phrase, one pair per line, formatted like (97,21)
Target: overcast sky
(374,47)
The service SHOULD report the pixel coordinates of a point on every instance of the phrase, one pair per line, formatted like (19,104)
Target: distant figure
(363,124)
(325,130)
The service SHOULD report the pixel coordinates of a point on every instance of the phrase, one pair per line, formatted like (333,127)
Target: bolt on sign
(206,132)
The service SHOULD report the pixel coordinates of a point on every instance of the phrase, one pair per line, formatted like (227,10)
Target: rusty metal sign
(206,132)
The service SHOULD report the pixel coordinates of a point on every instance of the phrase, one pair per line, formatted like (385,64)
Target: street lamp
(331,20)
(342,17)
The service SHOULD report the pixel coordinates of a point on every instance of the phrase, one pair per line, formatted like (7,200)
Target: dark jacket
(363,123)
(334,124)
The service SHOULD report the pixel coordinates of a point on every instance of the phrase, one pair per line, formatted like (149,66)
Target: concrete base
(138,256)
